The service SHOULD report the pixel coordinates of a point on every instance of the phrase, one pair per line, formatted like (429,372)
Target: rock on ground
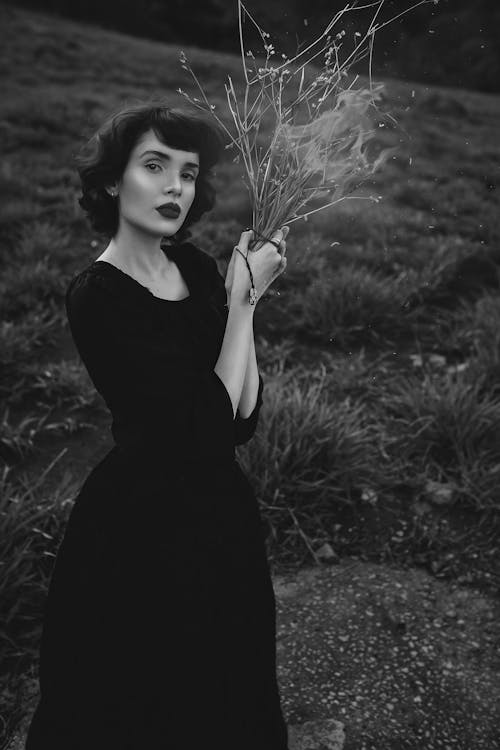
(317,735)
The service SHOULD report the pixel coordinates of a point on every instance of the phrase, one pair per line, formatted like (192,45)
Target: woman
(159,628)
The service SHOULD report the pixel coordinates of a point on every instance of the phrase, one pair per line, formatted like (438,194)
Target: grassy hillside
(380,427)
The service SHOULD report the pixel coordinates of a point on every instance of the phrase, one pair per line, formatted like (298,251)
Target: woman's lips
(169,213)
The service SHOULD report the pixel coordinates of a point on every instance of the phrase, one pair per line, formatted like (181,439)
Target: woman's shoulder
(203,264)
(195,255)
(87,280)
(99,284)
(206,270)
(80,282)
(95,290)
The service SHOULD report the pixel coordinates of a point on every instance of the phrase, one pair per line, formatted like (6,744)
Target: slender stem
(242,48)
(279,174)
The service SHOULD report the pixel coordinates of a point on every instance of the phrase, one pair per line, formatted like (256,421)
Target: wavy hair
(103,158)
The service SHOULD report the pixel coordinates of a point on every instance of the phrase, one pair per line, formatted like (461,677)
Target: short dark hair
(103,158)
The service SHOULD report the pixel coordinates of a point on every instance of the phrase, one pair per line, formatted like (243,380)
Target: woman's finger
(245,239)
(277,236)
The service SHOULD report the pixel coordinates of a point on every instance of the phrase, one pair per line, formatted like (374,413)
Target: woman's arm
(250,389)
(237,365)
(231,366)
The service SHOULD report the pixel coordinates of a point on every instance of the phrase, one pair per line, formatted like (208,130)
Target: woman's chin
(169,227)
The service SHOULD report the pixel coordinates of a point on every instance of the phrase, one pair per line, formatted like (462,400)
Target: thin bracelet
(252,295)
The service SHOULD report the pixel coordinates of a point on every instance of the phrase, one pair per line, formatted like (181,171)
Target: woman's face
(157,187)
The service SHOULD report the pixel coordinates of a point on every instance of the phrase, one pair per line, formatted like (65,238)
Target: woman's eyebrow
(163,155)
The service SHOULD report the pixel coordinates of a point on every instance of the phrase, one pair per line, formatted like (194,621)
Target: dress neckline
(104,263)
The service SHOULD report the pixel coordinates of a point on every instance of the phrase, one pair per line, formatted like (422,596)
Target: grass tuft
(312,454)
(448,430)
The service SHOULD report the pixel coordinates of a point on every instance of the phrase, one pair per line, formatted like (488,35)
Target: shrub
(311,454)
(446,429)
(352,304)
(21,341)
(31,527)
(26,286)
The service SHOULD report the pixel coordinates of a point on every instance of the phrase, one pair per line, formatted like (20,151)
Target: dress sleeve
(155,389)
(244,428)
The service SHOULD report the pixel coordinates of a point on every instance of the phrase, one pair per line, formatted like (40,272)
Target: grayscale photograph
(250,375)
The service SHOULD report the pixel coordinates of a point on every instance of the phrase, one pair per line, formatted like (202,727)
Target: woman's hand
(279,236)
(267,262)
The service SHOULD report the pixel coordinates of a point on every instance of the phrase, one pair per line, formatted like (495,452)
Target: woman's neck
(140,254)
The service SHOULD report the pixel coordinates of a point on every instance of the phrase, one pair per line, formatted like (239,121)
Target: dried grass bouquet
(303,131)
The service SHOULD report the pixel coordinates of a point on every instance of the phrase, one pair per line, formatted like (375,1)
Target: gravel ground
(372,657)
(402,660)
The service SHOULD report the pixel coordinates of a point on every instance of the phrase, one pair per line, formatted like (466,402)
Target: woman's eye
(155,167)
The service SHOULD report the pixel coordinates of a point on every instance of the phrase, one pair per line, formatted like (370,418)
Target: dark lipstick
(169,210)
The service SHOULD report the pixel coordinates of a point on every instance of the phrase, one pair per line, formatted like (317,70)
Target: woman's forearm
(250,388)
(231,366)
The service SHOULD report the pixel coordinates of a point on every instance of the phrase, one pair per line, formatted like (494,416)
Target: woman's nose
(173,184)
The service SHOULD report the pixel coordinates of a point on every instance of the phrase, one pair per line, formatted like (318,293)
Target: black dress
(159,627)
